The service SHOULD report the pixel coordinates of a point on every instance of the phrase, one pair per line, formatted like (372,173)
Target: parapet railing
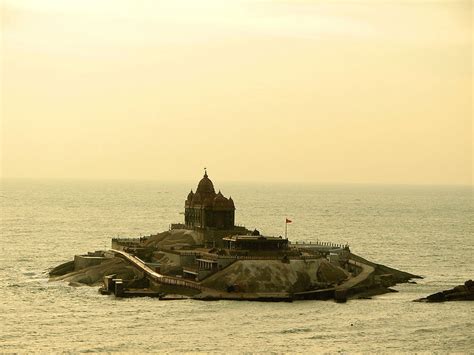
(130,240)
(255,257)
(321,244)
(178,226)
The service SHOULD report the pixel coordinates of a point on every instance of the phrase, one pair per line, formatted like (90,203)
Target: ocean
(425,230)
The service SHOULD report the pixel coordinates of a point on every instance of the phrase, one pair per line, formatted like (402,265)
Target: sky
(267,91)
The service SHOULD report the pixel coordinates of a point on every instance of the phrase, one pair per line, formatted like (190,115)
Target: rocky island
(208,257)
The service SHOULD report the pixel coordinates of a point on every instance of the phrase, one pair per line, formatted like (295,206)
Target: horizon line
(299,182)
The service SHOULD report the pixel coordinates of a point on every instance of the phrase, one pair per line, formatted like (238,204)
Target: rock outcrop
(178,238)
(62,269)
(459,293)
(397,276)
(94,275)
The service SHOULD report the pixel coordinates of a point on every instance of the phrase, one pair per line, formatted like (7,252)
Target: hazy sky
(313,91)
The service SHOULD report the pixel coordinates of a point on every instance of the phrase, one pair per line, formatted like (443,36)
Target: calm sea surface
(424,230)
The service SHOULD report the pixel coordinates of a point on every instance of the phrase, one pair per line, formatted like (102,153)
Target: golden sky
(295,91)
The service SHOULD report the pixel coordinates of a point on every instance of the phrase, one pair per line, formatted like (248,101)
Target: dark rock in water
(459,293)
(436,297)
(62,269)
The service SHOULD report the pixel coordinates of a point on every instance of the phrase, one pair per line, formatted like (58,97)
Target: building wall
(209,218)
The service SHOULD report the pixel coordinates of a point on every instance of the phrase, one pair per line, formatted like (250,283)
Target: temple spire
(205,172)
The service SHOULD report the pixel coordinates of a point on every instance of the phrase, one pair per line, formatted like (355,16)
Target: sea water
(423,230)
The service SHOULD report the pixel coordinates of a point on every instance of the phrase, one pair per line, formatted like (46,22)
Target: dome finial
(205,186)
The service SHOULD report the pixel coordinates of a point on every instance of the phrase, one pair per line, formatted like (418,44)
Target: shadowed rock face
(459,293)
(329,273)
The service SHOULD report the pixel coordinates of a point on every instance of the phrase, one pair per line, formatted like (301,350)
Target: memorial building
(206,209)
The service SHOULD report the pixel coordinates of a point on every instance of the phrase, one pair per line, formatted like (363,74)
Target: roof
(205,186)
(206,196)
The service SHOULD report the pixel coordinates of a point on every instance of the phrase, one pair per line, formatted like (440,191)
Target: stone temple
(210,215)
(207,209)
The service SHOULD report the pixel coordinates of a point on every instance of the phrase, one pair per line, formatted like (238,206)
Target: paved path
(367,270)
(155,276)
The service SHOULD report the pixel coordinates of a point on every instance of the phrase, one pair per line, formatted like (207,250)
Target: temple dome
(219,198)
(231,203)
(205,186)
(221,202)
(190,196)
(197,198)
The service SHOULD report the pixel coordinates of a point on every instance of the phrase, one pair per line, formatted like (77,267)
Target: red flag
(288,220)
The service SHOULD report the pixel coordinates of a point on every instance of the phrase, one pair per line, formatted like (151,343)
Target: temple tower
(207,209)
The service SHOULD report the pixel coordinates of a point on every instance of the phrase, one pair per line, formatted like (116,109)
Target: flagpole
(286,230)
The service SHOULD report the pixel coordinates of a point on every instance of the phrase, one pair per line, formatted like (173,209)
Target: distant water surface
(423,230)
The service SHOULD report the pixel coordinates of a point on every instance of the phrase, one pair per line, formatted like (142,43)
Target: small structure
(203,268)
(255,243)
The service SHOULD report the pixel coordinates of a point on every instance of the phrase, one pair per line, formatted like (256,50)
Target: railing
(178,226)
(130,241)
(256,257)
(185,253)
(320,244)
(191,268)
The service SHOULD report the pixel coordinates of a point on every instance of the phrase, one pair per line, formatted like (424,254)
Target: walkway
(365,273)
(153,275)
